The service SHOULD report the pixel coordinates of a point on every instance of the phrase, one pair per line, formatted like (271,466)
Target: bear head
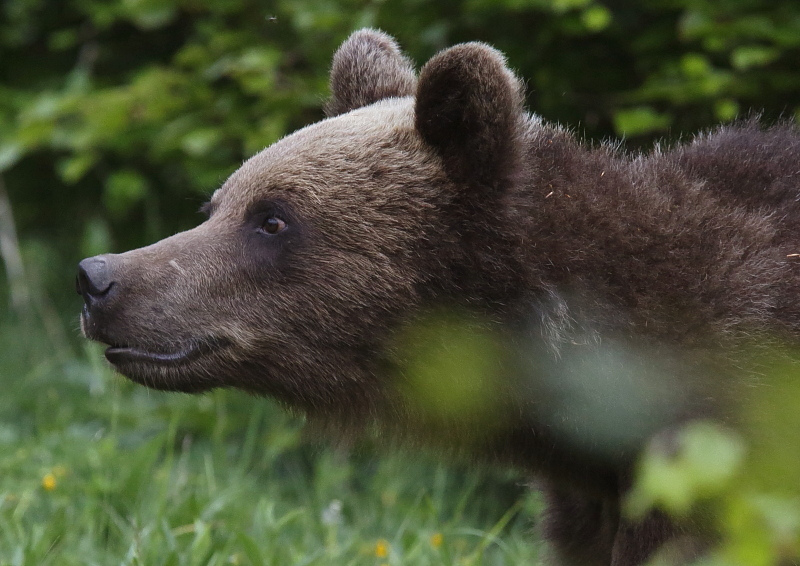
(319,247)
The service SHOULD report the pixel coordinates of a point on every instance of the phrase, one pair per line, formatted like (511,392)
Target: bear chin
(178,371)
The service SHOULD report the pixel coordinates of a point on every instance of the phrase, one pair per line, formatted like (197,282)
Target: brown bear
(438,191)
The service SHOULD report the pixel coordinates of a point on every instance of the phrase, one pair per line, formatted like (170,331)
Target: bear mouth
(129,358)
(120,355)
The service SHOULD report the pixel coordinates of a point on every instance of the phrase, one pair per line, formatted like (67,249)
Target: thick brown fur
(443,190)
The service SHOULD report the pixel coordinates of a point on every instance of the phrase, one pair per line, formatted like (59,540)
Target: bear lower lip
(119,355)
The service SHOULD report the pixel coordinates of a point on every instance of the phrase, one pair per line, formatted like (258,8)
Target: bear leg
(580,530)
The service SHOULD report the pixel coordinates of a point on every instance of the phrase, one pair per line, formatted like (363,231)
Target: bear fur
(442,191)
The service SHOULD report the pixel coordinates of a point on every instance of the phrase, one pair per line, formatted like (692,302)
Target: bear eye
(273,225)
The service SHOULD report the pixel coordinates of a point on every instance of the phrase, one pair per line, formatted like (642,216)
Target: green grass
(95,470)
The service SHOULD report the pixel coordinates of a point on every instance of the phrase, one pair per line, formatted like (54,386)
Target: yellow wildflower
(49,482)
(436,540)
(382,548)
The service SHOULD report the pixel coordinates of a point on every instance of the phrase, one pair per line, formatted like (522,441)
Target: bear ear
(469,106)
(368,67)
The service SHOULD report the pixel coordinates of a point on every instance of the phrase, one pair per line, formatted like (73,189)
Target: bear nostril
(94,277)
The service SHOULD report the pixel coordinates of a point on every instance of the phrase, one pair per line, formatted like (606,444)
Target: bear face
(301,228)
(318,246)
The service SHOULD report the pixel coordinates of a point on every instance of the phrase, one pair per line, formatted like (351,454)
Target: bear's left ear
(368,67)
(469,106)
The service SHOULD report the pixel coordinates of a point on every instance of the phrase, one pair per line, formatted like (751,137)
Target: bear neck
(638,237)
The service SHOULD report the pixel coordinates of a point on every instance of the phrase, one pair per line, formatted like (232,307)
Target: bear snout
(94,282)
(94,279)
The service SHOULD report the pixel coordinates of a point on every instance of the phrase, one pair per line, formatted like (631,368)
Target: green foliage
(746,480)
(451,369)
(703,466)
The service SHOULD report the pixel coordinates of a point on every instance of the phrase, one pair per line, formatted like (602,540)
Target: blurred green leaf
(564,5)
(449,369)
(695,65)
(200,142)
(596,18)
(640,120)
(150,14)
(726,110)
(73,168)
(746,57)
(123,189)
(697,464)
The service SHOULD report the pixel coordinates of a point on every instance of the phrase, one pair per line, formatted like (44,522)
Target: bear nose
(94,278)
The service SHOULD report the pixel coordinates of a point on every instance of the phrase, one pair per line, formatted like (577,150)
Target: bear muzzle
(100,282)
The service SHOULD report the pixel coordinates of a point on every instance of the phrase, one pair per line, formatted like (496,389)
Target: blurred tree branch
(12,258)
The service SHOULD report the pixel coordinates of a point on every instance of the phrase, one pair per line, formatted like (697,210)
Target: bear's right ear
(368,67)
